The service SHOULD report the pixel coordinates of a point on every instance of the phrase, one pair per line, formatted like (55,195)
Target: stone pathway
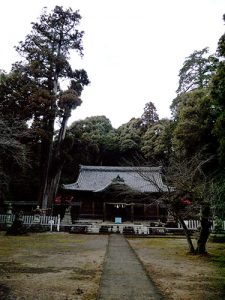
(123,275)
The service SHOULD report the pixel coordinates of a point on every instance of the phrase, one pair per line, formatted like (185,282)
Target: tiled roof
(95,179)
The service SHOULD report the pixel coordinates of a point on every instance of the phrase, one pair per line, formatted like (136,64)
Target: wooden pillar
(157,210)
(104,211)
(132,212)
(93,208)
(145,208)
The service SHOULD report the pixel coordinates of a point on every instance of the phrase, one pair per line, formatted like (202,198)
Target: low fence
(191,224)
(195,224)
(35,219)
(55,222)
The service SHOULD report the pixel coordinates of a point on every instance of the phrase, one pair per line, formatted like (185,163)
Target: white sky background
(133,49)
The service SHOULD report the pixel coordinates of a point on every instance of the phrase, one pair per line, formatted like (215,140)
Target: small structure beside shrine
(117,194)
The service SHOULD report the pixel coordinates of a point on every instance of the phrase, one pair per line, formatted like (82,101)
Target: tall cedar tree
(150,115)
(197,71)
(218,96)
(47,51)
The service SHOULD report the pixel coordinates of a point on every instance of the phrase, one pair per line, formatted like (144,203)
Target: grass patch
(217,260)
(82,274)
(45,266)
(45,242)
(13,268)
(180,272)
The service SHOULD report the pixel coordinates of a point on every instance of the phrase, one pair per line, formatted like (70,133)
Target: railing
(54,221)
(29,220)
(191,224)
(195,224)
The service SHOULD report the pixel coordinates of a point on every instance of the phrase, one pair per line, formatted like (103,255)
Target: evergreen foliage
(32,90)
(32,102)
(197,71)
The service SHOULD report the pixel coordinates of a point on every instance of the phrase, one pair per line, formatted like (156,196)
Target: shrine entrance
(117,210)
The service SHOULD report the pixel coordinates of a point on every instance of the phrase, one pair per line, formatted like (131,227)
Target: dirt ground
(179,275)
(51,266)
(64,266)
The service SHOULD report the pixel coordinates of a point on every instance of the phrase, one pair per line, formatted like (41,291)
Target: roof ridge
(120,168)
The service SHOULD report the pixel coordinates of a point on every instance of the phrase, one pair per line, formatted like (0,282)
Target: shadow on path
(123,275)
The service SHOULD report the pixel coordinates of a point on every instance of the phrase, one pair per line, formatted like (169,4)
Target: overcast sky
(133,49)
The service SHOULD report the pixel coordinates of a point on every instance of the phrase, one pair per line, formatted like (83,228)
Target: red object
(58,200)
(61,200)
(185,201)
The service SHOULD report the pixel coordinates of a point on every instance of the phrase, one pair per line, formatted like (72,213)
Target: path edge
(158,292)
(103,266)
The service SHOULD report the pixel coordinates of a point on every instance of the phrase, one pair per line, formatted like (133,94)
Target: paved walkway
(123,275)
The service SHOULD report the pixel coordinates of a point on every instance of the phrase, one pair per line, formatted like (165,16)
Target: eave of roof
(98,178)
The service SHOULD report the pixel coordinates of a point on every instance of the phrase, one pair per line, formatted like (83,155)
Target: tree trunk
(54,177)
(47,150)
(203,237)
(52,186)
(205,230)
(187,234)
(46,159)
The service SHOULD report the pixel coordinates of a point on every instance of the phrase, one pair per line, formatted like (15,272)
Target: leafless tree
(186,193)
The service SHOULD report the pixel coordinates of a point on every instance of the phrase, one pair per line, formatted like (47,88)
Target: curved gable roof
(96,179)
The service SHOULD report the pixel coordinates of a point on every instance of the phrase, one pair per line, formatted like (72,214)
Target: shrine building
(123,193)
